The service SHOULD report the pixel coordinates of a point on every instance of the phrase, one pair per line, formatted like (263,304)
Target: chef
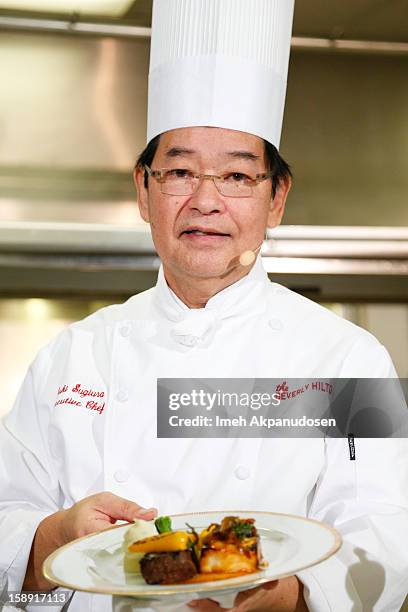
(79,450)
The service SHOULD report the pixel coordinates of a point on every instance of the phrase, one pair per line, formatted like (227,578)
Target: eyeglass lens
(180,185)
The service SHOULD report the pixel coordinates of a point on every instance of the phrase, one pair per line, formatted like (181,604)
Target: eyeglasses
(182,182)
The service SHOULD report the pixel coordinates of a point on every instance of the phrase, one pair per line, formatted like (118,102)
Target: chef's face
(203,234)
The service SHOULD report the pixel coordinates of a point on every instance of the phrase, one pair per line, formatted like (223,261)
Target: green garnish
(193,531)
(163,524)
(242,529)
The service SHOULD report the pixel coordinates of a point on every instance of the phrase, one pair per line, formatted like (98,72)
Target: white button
(125,331)
(275,324)
(188,340)
(121,476)
(242,472)
(122,395)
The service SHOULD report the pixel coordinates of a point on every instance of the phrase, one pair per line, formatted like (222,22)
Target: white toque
(219,63)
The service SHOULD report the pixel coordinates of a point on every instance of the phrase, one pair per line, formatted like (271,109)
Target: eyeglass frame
(157,175)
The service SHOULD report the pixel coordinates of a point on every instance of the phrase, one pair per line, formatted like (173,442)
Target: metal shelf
(354,263)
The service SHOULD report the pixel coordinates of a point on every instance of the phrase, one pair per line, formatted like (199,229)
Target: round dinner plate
(94,563)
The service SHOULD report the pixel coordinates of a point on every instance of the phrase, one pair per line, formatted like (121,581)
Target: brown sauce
(208,577)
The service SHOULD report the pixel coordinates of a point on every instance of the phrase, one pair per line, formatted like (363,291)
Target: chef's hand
(99,512)
(285,595)
(91,514)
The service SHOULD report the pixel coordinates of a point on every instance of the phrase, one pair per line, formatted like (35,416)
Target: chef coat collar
(174,307)
(201,323)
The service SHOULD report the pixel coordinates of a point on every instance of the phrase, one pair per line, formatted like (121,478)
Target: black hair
(147,155)
(280,168)
(275,162)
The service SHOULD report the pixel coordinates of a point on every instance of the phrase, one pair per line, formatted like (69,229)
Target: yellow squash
(173,541)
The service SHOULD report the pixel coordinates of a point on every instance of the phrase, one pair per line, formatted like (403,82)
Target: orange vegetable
(172,541)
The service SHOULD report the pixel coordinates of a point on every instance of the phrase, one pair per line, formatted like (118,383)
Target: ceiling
(385,20)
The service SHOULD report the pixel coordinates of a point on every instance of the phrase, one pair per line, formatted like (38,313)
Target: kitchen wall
(72,120)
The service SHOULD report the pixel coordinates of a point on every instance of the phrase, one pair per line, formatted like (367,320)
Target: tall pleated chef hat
(220,63)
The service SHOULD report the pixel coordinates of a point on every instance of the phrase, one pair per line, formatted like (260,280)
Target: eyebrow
(243,155)
(178,152)
(182,151)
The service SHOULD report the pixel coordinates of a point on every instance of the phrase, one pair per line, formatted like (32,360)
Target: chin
(205,267)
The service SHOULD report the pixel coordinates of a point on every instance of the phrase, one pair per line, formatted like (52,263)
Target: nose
(207,199)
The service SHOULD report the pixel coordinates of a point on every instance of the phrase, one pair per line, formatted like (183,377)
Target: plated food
(95,563)
(222,550)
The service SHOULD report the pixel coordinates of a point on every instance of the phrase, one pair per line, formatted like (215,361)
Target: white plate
(95,563)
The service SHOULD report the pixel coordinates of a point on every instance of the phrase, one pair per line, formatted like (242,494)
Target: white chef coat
(54,453)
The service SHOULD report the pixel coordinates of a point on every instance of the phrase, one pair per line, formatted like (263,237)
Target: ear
(277,206)
(142,193)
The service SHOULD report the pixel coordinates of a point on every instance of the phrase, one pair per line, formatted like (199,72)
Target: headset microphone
(248,257)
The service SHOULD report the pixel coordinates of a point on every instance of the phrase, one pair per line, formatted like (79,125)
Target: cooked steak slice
(166,568)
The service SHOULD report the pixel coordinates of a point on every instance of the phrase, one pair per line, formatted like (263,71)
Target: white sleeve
(29,489)
(366,499)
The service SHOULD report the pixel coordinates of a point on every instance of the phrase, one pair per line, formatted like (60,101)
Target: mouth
(195,231)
